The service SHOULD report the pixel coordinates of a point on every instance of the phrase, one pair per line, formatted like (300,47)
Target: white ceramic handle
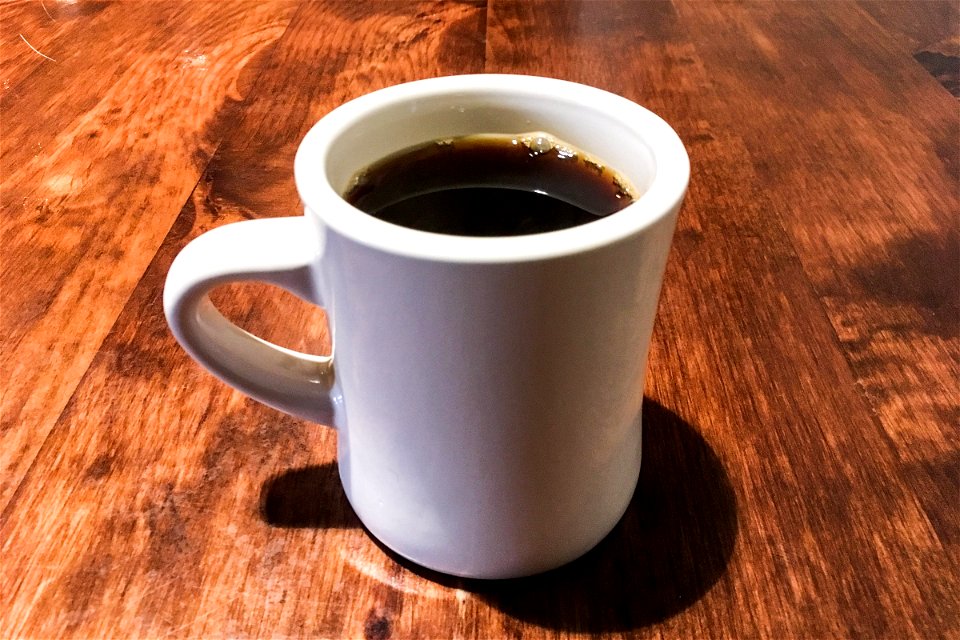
(279,251)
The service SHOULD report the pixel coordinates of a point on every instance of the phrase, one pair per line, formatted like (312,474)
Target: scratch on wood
(46,12)
(35,49)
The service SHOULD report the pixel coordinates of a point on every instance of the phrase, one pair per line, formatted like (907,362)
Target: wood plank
(102,143)
(859,165)
(868,194)
(148,500)
(744,349)
(799,477)
(918,25)
(928,31)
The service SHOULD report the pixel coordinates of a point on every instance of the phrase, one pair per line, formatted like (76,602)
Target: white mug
(486,391)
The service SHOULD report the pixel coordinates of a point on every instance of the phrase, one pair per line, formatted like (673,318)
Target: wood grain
(801,465)
(929,31)
(200,434)
(874,217)
(813,442)
(916,25)
(101,149)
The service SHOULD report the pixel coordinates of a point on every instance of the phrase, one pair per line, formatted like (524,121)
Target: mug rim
(662,197)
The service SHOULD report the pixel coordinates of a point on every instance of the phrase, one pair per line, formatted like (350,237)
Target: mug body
(488,390)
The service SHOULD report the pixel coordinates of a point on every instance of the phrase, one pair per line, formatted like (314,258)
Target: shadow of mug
(307,498)
(671,546)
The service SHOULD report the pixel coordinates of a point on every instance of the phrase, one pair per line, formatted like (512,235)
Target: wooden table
(801,454)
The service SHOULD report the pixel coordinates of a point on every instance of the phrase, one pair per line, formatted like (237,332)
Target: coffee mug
(486,391)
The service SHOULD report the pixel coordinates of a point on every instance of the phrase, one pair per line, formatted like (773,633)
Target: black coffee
(490,185)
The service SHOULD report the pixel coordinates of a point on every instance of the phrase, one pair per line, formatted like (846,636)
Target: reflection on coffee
(490,185)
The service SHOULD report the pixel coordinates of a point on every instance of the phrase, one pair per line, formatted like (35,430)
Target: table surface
(801,462)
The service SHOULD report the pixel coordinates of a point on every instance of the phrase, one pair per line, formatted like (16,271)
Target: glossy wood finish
(801,460)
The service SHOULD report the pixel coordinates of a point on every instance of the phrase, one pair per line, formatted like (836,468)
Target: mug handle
(279,251)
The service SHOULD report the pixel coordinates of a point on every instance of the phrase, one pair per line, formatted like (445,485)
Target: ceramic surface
(486,391)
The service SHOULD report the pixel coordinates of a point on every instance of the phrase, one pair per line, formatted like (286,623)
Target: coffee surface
(490,185)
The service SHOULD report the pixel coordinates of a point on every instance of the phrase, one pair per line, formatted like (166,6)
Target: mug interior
(420,119)
(631,140)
